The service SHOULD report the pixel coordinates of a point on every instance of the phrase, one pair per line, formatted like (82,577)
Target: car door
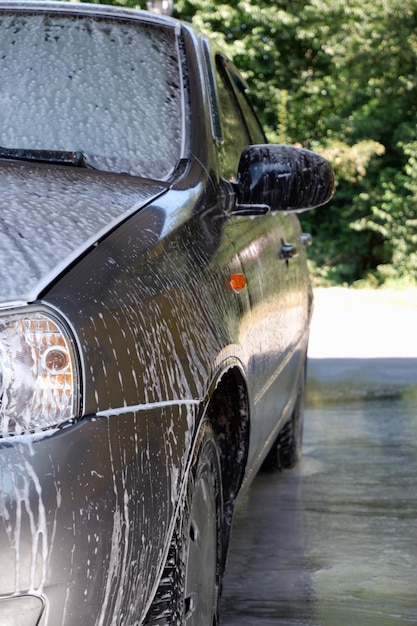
(272,257)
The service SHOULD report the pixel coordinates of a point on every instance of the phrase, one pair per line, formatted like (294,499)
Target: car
(154,313)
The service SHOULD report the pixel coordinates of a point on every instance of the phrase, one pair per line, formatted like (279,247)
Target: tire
(290,438)
(286,451)
(188,594)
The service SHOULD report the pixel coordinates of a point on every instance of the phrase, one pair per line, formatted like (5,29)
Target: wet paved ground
(334,542)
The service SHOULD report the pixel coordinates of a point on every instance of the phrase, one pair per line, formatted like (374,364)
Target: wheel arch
(228,412)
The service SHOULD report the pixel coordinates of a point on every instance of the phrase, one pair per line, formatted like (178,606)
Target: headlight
(38,373)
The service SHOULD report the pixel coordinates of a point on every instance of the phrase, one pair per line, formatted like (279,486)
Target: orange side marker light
(236,282)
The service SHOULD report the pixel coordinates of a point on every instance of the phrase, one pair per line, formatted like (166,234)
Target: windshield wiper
(59,157)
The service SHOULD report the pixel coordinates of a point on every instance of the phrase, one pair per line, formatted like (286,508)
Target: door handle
(288,251)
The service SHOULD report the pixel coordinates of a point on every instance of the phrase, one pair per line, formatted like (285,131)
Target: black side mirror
(282,178)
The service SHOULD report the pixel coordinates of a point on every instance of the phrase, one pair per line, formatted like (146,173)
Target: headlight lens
(38,373)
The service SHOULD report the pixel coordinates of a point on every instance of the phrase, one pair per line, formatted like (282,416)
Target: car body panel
(275,332)
(140,272)
(124,465)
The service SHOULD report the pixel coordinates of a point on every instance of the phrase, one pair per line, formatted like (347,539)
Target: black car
(154,314)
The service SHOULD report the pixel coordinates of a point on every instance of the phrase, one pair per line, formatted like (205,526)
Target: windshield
(110,89)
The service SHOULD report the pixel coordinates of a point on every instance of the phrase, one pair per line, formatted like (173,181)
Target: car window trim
(215,118)
(235,84)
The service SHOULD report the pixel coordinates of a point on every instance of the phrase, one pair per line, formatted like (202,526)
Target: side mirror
(282,178)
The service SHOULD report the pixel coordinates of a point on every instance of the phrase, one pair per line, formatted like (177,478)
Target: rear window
(108,88)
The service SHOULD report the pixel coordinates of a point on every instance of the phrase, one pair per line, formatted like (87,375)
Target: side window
(238,122)
(253,125)
(235,137)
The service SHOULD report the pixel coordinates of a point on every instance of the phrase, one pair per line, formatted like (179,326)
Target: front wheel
(188,594)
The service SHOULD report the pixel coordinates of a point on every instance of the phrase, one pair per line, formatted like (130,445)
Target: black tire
(188,594)
(286,451)
(290,439)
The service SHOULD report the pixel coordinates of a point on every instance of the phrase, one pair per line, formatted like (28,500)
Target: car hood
(49,215)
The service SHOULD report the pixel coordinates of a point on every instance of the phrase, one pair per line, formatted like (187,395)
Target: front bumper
(86,514)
